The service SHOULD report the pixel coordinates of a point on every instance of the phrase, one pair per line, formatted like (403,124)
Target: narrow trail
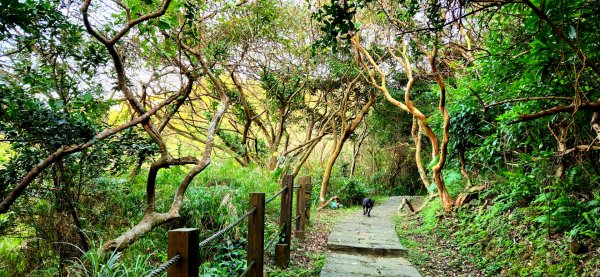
(368,246)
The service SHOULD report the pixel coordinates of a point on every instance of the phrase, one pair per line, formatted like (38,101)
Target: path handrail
(248,268)
(275,196)
(275,237)
(221,232)
(165,266)
(183,247)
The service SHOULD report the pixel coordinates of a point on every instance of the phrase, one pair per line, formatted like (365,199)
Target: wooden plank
(256,234)
(183,241)
(282,257)
(285,218)
(303,181)
(307,201)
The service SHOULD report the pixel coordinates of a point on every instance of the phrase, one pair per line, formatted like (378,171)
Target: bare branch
(529,99)
(594,106)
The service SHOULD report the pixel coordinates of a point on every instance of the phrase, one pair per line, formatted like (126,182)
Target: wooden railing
(183,247)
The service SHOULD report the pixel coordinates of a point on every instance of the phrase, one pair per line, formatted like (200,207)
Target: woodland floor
(430,254)
(308,256)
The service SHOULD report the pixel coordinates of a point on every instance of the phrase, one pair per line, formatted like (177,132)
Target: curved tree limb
(529,99)
(594,106)
(67,150)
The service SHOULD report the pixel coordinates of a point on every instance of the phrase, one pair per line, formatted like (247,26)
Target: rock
(577,247)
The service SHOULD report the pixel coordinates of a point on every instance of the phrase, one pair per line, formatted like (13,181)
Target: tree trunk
(373,160)
(446,199)
(561,140)
(151,218)
(595,123)
(327,175)
(138,166)
(345,133)
(356,150)
(417,136)
(304,158)
(149,221)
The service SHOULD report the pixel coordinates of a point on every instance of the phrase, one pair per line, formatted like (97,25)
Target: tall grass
(215,198)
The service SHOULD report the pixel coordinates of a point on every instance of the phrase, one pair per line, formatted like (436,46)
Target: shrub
(352,192)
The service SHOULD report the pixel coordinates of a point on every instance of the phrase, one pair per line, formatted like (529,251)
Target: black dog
(367,206)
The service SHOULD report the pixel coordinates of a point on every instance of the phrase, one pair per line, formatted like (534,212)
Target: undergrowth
(522,231)
(216,197)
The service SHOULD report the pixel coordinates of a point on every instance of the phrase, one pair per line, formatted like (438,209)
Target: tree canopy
(130,103)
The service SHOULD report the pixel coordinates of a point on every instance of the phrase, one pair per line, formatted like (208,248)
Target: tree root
(327,203)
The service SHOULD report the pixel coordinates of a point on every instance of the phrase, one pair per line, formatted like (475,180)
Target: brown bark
(324,204)
(528,99)
(151,218)
(304,157)
(322,152)
(310,143)
(339,144)
(329,167)
(249,116)
(405,202)
(417,136)
(356,149)
(595,123)
(149,221)
(593,106)
(70,149)
(463,164)
(561,142)
(109,44)
(138,166)
(579,148)
(381,86)
(375,73)
(445,198)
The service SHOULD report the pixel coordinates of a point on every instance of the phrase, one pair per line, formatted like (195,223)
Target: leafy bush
(352,192)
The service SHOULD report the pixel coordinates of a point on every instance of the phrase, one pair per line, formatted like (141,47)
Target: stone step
(340,264)
(368,246)
(375,235)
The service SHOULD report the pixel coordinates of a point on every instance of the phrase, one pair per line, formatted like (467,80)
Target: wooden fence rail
(183,246)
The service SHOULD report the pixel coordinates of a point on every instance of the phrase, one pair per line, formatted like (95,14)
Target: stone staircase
(368,246)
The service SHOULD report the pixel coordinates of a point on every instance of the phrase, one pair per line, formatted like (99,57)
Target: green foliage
(29,16)
(338,21)
(53,93)
(589,225)
(229,260)
(352,192)
(454,181)
(96,264)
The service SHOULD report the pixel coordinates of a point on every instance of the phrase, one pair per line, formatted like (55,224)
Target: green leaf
(572,33)
(433,162)
(431,188)
(163,25)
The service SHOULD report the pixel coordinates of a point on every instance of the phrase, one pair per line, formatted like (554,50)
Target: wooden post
(285,220)
(183,241)
(256,234)
(307,188)
(282,256)
(301,206)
